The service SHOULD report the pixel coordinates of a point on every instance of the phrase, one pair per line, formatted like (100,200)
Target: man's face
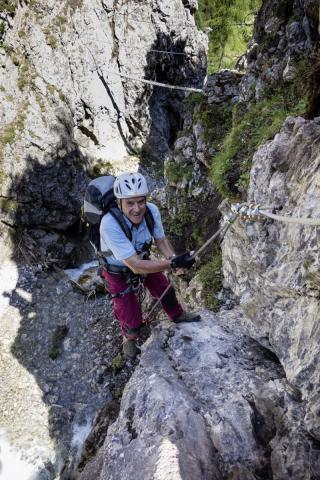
(134,208)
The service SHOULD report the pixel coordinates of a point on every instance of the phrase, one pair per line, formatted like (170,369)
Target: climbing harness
(135,285)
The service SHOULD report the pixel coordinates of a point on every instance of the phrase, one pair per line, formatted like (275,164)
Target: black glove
(185,260)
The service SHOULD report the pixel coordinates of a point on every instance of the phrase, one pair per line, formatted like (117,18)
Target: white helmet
(130,185)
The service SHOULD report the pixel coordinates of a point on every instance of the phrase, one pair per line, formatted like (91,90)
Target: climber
(128,263)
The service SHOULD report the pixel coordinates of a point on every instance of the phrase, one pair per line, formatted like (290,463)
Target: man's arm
(165,247)
(146,266)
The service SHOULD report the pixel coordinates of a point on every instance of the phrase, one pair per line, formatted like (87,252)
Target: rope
(246,212)
(296,220)
(158,84)
(222,230)
(253,212)
(166,51)
(183,25)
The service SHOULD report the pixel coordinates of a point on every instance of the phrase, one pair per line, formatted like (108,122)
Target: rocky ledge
(209,404)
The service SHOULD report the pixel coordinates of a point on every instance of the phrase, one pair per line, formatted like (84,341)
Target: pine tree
(230,23)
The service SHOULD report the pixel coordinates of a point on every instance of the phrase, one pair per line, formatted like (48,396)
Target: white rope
(297,220)
(158,84)
(169,52)
(253,212)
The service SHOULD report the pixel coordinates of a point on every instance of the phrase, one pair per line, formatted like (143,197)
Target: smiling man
(130,265)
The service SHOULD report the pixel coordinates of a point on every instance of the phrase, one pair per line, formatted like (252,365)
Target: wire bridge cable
(157,84)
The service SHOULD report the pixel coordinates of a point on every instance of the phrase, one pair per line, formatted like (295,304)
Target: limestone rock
(272,265)
(204,403)
(65,109)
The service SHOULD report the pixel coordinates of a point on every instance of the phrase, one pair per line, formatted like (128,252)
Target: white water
(14,464)
(75,273)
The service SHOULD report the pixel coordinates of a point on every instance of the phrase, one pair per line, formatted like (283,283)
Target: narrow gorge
(235,396)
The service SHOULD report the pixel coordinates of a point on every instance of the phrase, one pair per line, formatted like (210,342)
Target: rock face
(189,193)
(284,32)
(57,372)
(273,266)
(66,110)
(205,403)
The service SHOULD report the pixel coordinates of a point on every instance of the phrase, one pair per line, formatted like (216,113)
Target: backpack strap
(118,216)
(149,220)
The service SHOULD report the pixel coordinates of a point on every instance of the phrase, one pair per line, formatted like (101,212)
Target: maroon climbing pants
(127,309)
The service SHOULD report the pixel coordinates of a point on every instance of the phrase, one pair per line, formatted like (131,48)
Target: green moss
(101,167)
(74,4)
(10,131)
(15,60)
(54,353)
(8,134)
(50,88)
(174,172)
(22,34)
(62,96)
(216,120)
(24,75)
(211,278)
(231,166)
(58,336)
(2,28)
(60,21)
(8,6)
(50,37)
(117,363)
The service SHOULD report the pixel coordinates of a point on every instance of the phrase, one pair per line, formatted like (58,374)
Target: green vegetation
(101,167)
(15,127)
(211,278)
(8,205)
(250,129)
(117,363)
(175,172)
(24,76)
(8,6)
(230,23)
(50,38)
(215,119)
(9,133)
(60,333)
(60,21)
(2,28)
(50,88)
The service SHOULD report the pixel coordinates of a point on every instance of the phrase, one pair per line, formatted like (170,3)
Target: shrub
(231,166)
(211,278)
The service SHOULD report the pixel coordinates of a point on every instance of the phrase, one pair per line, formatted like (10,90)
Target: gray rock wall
(206,403)
(64,110)
(273,266)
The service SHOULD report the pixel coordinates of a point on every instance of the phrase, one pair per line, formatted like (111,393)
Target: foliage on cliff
(229,24)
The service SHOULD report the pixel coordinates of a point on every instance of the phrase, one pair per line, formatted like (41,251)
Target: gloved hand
(185,260)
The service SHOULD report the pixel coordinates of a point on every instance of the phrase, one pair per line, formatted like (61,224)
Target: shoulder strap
(149,220)
(118,216)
